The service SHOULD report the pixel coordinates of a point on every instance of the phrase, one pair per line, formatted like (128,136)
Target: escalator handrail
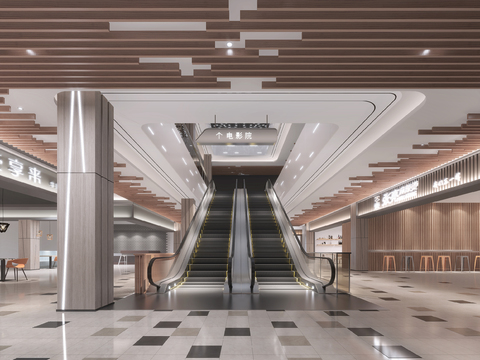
(210,187)
(330,261)
(249,239)
(232,239)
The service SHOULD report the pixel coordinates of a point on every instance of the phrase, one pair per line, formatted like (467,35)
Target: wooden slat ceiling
(19,130)
(344,44)
(408,166)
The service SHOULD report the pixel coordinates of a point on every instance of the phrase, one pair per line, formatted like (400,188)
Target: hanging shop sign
(457,173)
(20,169)
(221,136)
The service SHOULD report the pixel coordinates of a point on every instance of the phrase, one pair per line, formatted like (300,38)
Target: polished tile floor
(416,315)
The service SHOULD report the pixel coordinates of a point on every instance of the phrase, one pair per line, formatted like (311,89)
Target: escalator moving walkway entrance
(274,268)
(208,264)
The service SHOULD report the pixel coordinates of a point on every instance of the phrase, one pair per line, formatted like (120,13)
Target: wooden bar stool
(443,259)
(477,258)
(387,259)
(425,259)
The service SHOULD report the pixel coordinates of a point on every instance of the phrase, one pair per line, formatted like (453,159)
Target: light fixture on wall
(3,225)
(49,235)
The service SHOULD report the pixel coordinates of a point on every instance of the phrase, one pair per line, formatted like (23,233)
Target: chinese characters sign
(238,137)
(398,195)
(22,170)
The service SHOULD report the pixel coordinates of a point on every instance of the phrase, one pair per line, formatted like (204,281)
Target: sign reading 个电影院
(28,172)
(240,136)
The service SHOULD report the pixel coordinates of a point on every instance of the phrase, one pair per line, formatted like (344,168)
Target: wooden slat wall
(437,226)
(346,237)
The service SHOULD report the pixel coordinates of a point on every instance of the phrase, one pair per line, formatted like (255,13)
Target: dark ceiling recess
(247,170)
(240,125)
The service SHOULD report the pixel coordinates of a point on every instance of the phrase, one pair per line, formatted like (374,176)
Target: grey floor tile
(335,313)
(330,324)
(168,324)
(204,351)
(5,313)
(365,332)
(420,308)
(283,324)
(198,313)
(379,292)
(186,332)
(3,347)
(131,318)
(396,352)
(109,332)
(428,318)
(238,313)
(151,341)
(293,341)
(237,332)
(51,324)
(465,331)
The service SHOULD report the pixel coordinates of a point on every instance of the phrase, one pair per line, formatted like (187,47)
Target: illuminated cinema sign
(240,136)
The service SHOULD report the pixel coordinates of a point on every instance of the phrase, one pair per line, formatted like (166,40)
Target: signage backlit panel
(238,136)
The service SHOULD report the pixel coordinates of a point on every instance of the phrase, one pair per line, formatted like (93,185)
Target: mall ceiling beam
(97,68)
(119,85)
(105,5)
(107,44)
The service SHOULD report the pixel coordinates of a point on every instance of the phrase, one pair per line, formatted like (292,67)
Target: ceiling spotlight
(229,52)
(20,108)
(31,52)
(229,44)
(426,52)
(163,147)
(311,154)
(301,168)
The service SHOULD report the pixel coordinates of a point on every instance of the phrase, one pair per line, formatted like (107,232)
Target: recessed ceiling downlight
(229,44)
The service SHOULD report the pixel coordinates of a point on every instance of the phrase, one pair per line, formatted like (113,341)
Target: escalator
(274,267)
(208,264)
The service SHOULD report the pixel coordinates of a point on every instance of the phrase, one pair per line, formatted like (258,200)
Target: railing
(232,239)
(304,262)
(182,255)
(249,240)
(342,269)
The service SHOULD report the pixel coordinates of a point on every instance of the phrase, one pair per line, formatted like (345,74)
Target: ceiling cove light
(311,154)
(31,52)
(426,52)
(184,161)
(316,127)
(191,172)
(301,168)
(294,177)
(151,131)
(298,156)
(163,147)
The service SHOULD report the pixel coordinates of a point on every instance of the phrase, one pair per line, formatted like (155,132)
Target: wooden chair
(55,261)
(16,264)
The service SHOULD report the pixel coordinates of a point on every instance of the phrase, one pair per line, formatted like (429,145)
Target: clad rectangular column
(358,240)
(29,243)
(188,211)
(85,200)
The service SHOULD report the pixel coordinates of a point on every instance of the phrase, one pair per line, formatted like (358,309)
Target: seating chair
(16,264)
(55,261)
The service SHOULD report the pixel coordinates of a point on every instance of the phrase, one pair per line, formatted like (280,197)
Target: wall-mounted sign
(238,136)
(18,168)
(398,195)
(449,176)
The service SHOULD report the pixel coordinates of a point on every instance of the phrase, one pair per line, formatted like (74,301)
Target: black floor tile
(118,286)
(335,313)
(49,294)
(461,301)
(151,341)
(429,318)
(406,287)
(395,352)
(283,324)
(31,359)
(237,332)
(379,292)
(404,277)
(275,310)
(204,351)
(198,313)
(369,310)
(364,332)
(389,299)
(52,324)
(168,324)
(164,310)
(444,282)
